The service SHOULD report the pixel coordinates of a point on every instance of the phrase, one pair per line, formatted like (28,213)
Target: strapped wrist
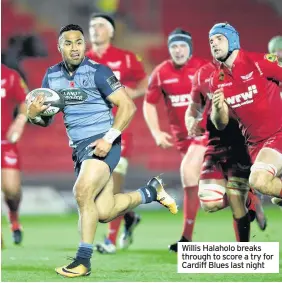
(112,135)
(36,119)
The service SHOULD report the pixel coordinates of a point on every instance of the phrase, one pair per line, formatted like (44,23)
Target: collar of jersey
(66,73)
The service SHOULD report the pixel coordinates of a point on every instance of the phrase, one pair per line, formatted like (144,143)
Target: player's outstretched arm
(139,90)
(126,108)
(16,129)
(151,117)
(220,112)
(150,112)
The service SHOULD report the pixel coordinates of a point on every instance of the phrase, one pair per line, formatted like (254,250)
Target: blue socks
(148,194)
(84,252)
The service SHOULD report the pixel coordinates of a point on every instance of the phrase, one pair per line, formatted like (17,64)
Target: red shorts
(274,142)
(183,146)
(126,145)
(222,162)
(9,156)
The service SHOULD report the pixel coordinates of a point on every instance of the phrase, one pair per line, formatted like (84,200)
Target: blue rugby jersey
(87,112)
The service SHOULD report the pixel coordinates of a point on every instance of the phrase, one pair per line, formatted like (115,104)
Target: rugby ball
(51,97)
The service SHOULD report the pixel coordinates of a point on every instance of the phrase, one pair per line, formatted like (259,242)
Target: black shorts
(222,162)
(82,152)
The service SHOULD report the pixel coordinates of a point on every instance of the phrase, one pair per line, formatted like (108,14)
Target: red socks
(114,228)
(191,205)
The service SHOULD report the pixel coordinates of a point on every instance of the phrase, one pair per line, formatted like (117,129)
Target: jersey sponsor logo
(180,100)
(171,81)
(11,160)
(271,57)
(225,84)
(114,83)
(242,98)
(114,65)
(73,95)
(248,76)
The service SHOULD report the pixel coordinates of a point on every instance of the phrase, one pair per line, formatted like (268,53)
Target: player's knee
(11,192)
(261,175)
(190,175)
(104,216)
(211,197)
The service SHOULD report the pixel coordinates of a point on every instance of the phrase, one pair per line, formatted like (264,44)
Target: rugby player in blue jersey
(90,90)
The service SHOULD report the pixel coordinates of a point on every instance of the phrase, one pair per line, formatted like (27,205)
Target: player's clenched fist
(218,99)
(35,107)
(102,147)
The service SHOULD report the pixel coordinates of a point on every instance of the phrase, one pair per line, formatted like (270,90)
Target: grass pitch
(49,240)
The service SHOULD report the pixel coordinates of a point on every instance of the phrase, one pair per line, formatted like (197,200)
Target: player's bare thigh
(92,178)
(267,165)
(191,164)
(10,181)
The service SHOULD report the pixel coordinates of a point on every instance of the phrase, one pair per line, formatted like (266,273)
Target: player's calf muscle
(121,205)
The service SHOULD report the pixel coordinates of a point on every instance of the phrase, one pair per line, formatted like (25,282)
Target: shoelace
(74,262)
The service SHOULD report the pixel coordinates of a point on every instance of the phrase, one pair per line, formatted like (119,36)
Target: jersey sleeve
(45,82)
(270,67)
(106,81)
(154,91)
(19,88)
(136,67)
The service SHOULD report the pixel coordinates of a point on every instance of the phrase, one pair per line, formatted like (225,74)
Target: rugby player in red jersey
(172,81)
(13,93)
(128,68)
(226,166)
(246,85)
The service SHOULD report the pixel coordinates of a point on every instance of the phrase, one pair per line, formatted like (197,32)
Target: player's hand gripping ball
(45,101)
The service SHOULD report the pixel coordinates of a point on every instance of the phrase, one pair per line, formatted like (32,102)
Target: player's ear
(59,48)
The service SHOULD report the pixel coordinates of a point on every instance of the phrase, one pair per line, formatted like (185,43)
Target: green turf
(50,239)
